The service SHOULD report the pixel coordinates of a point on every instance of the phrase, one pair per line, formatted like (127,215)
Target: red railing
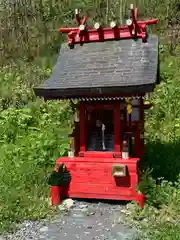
(132,30)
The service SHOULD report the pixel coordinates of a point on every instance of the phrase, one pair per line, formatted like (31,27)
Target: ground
(84,221)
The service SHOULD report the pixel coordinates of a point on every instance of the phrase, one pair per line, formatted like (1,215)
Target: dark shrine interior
(103,140)
(95,134)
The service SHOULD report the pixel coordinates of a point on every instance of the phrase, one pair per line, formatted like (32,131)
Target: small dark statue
(61,178)
(59,181)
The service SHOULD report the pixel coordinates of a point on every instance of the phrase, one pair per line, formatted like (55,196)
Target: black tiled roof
(103,68)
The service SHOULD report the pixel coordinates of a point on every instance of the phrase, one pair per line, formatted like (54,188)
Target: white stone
(83,206)
(68,203)
(43,229)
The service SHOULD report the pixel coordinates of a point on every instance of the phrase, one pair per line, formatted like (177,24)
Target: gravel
(83,221)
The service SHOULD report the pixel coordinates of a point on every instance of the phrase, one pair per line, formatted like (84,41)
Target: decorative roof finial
(132,30)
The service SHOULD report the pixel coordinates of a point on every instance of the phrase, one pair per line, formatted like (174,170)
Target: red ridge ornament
(132,30)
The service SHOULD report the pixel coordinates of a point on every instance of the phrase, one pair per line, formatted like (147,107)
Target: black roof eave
(50,93)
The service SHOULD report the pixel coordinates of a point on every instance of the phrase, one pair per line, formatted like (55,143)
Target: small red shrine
(108,71)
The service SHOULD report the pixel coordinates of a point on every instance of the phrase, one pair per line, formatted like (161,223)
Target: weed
(33,132)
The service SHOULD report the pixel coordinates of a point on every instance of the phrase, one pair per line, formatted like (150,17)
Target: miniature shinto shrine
(108,72)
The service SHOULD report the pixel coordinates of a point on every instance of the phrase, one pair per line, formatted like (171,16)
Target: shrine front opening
(105,126)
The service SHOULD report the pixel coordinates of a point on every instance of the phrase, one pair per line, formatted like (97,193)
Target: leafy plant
(160,181)
(32,138)
(61,177)
(33,133)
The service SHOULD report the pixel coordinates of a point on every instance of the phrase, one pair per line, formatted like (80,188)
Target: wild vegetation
(33,132)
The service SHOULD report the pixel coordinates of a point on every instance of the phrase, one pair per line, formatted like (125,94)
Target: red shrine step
(92,178)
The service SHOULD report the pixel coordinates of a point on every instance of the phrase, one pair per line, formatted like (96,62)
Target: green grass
(18,78)
(33,133)
(161,178)
(32,138)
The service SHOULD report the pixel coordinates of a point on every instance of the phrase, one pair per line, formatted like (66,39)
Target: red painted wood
(116,108)
(123,27)
(137,29)
(76,139)
(139,197)
(91,172)
(82,127)
(104,105)
(131,162)
(98,154)
(117,128)
(55,195)
(98,189)
(71,38)
(91,178)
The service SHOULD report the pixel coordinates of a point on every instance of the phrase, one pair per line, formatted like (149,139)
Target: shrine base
(92,178)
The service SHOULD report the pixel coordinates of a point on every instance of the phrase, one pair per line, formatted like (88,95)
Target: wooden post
(55,195)
(82,120)
(117,128)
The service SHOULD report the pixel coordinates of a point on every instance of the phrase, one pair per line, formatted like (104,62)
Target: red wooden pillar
(76,140)
(55,195)
(117,147)
(82,119)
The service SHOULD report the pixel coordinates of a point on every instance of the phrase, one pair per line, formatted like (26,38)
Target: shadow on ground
(95,201)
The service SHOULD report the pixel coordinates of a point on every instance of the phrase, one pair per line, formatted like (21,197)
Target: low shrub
(32,138)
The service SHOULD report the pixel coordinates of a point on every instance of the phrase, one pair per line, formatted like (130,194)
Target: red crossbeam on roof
(132,30)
